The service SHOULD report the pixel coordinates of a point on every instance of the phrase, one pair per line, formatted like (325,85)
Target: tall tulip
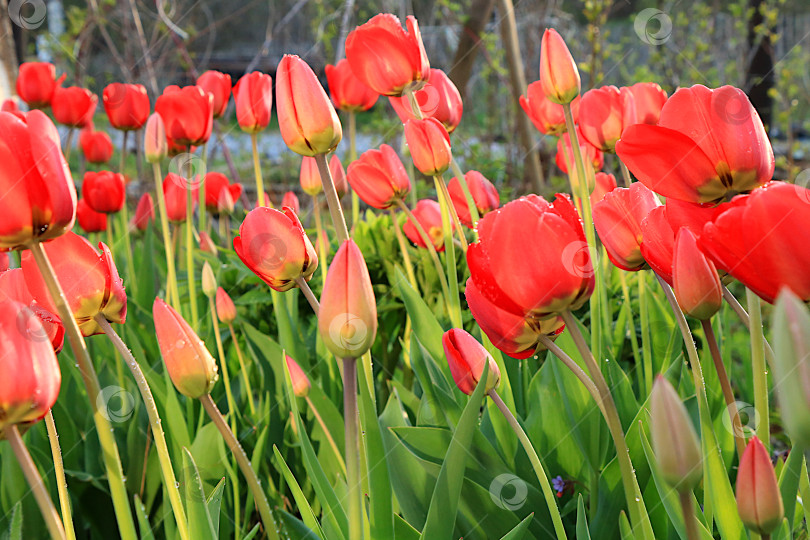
(547,116)
(36,83)
(379,178)
(347,91)
(759,500)
(217,84)
(429,215)
(467,359)
(127,105)
(559,76)
(253,94)
(89,220)
(439,99)
(484,195)
(429,144)
(604,114)
(187,114)
(97,146)
(104,191)
(73,106)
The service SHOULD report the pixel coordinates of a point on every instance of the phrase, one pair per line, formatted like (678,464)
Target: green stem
(689,518)
(332,444)
(59,472)
(467,195)
(403,247)
(155,424)
(743,315)
(308,294)
(575,369)
(112,461)
(537,465)
(316,207)
(352,450)
(759,369)
(223,362)
(69,144)
(243,369)
(631,327)
(244,464)
(352,157)
(444,195)
(201,193)
(49,513)
(257,170)
(171,273)
(125,214)
(338,221)
(625,174)
(190,274)
(646,339)
(449,256)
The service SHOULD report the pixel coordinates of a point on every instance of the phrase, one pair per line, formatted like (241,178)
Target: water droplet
(177,485)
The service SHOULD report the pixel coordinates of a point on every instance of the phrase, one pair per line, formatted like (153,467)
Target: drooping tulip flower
(191,367)
(89,220)
(338,175)
(604,114)
(347,319)
(649,99)
(762,240)
(565,154)
(187,113)
(226,310)
(36,83)
(674,439)
(127,105)
(253,94)
(483,193)
(429,145)
(10,106)
(207,245)
(275,247)
(175,193)
(306,117)
(33,378)
(300,381)
(467,359)
(38,199)
(791,366)
(388,59)
(217,84)
(13,288)
(618,218)
(548,117)
(89,279)
(439,99)
(708,145)
(155,142)
(104,191)
(73,106)
(697,286)
(144,212)
(290,199)
(97,146)
(310,177)
(379,178)
(759,500)
(429,215)
(604,184)
(348,92)
(559,76)
(215,183)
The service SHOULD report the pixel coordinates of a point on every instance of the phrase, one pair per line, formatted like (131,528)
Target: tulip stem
(449,253)
(329,438)
(190,275)
(244,464)
(575,369)
(758,367)
(625,174)
(127,241)
(243,369)
(743,315)
(403,247)
(201,192)
(351,449)
(59,472)
(444,194)
(223,362)
(112,461)
(352,157)
(69,144)
(689,518)
(31,473)
(646,339)
(725,384)
(257,170)
(310,296)
(322,238)
(467,195)
(155,424)
(631,324)
(332,199)
(171,274)
(632,492)
(537,465)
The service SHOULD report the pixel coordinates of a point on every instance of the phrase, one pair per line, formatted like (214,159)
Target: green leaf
(582,520)
(199,520)
(520,529)
(15,529)
(143,520)
(255,531)
(214,503)
(307,515)
(624,527)
(789,485)
(403,529)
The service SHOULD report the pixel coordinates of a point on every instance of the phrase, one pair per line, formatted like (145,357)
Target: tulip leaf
(307,515)
(520,530)
(789,484)
(403,529)
(214,503)
(143,520)
(582,520)
(15,529)
(255,531)
(624,527)
(199,520)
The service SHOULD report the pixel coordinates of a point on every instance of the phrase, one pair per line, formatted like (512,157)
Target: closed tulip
(707,146)
(89,279)
(73,106)
(253,94)
(307,119)
(214,185)
(338,175)
(38,200)
(36,83)
(290,200)
(217,84)
(89,220)
(649,99)
(13,288)
(759,500)
(127,105)
(604,114)
(225,203)
(438,99)
(429,215)
(104,191)
(388,59)
(155,142)
(144,212)
(347,319)
(696,283)
(226,310)
(175,193)
(209,281)
(300,381)
(97,146)
(274,245)
(379,178)
(484,195)
(187,114)
(791,366)
(309,176)
(604,184)
(559,76)
(467,359)
(429,145)
(206,244)
(547,116)
(348,92)
(191,367)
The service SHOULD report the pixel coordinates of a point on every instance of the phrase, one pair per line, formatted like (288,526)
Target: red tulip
(348,92)
(708,144)
(438,99)
(73,106)
(274,246)
(300,381)
(215,183)
(32,380)
(565,153)
(226,311)
(97,146)
(309,176)
(697,285)
(429,215)
(605,183)
(13,288)
(89,220)
(5,262)
(127,105)
(347,319)
(762,240)
(467,359)
(104,191)
(253,94)
(187,114)
(307,119)
(290,200)
(191,367)
(36,83)
(38,200)
(155,142)
(144,212)
(175,193)
(338,175)
(89,278)
(604,114)
(429,145)
(388,59)
(548,117)
(10,106)
(618,218)
(217,84)
(759,500)
(483,193)
(379,178)
(559,77)
(649,98)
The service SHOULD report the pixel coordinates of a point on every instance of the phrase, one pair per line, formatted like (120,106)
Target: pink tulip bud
(429,144)
(559,75)
(226,311)
(697,285)
(300,381)
(155,145)
(759,500)
(467,359)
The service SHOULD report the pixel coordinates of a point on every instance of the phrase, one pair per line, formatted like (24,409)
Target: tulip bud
(36,83)
(759,500)
(300,381)
(191,367)
(791,367)
(673,437)
(219,86)
(306,117)
(89,220)
(467,359)
(226,311)
(97,146)
(348,315)
(144,212)
(225,202)
(697,285)
(559,76)
(209,281)
(155,145)
(429,144)
(126,105)
(310,177)
(253,94)
(206,244)
(73,106)
(104,191)
(379,178)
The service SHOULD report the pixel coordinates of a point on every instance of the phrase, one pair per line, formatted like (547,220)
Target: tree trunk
(469,42)
(8,55)
(759,78)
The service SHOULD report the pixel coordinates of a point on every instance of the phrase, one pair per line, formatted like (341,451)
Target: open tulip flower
(348,92)
(547,116)
(104,191)
(127,105)
(36,83)
(438,99)
(73,106)
(217,84)
(96,146)
(89,220)
(379,178)
(188,114)
(429,215)
(484,195)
